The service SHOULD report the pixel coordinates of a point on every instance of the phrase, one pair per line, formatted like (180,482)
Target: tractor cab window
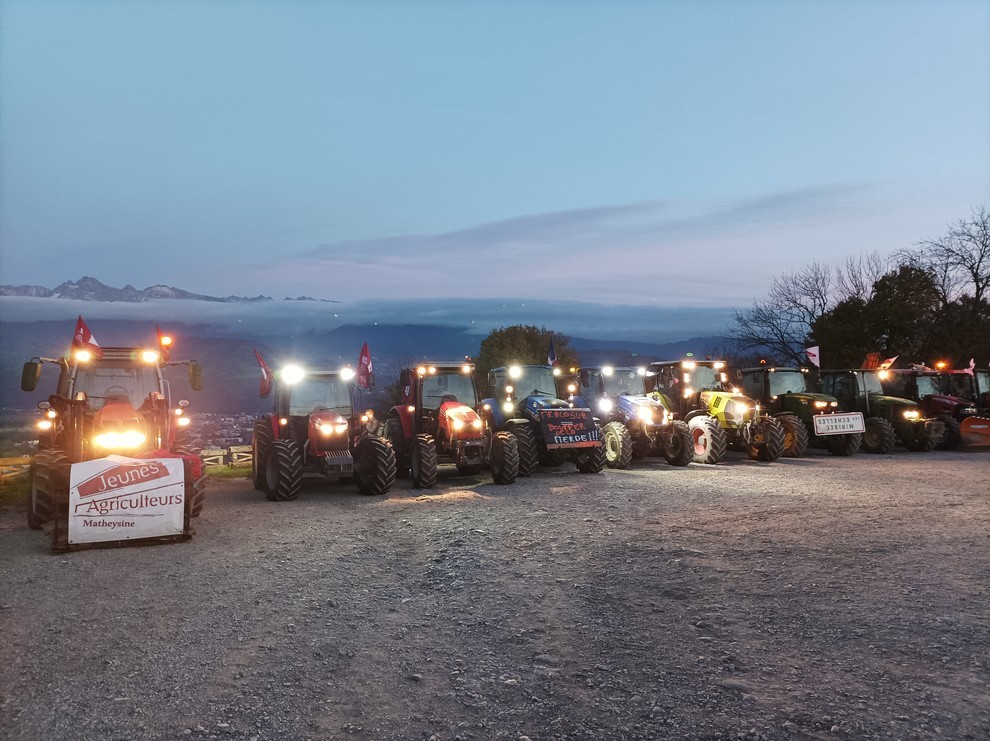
(871,383)
(839,385)
(703,378)
(444,387)
(668,380)
(623,381)
(897,384)
(928,386)
(320,394)
(534,381)
(958,384)
(110,382)
(982,381)
(787,382)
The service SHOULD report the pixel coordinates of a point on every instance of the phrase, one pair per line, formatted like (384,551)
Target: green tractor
(696,392)
(806,417)
(888,419)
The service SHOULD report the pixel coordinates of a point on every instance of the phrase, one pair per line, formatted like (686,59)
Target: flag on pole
(83,339)
(888,362)
(266,376)
(813,355)
(972,366)
(364,374)
(552,354)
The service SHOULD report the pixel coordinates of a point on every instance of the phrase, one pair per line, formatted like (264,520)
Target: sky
(617,152)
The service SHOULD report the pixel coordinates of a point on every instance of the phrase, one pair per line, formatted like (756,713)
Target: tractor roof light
(510,388)
(467,368)
(432,370)
(571,388)
(82,356)
(556,371)
(346,374)
(51,414)
(165,340)
(688,364)
(507,406)
(292,374)
(149,356)
(421,370)
(45,424)
(184,421)
(515,371)
(883,374)
(641,370)
(941,365)
(608,370)
(718,364)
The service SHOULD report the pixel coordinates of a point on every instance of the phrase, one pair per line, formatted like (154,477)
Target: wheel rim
(611,447)
(699,439)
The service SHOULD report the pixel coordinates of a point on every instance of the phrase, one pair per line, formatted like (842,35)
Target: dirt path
(814,599)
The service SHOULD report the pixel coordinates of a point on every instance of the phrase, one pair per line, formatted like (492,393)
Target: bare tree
(857,276)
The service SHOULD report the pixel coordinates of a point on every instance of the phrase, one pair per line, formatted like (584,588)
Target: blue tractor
(636,424)
(548,429)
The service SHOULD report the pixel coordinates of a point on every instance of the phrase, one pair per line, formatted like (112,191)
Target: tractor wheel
(642,447)
(526,442)
(591,460)
(260,444)
(767,442)
(708,440)
(283,471)
(879,436)
(374,469)
(844,445)
(952,437)
(395,435)
(918,440)
(618,444)
(677,443)
(795,436)
(45,475)
(423,461)
(552,458)
(504,458)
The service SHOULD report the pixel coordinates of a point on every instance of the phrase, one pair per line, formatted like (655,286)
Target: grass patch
(228,472)
(14,491)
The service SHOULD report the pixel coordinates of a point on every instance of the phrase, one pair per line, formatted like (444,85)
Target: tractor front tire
(618,444)
(260,443)
(395,435)
(552,458)
(879,437)
(767,443)
(374,472)
(526,442)
(795,436)
(844,445)
(708,440)
(423,461)
(283,471)
(918,440)
(591,460)
(677,443)
(47,471)
(504,457)
(952,437)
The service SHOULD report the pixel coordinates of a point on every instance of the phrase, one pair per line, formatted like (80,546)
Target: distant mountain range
(91,289)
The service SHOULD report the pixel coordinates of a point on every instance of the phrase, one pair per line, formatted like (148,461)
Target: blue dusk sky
(674,154)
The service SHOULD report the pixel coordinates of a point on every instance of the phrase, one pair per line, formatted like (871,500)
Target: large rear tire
(374,470)
(844,445)
(395,435)
(879,437)
(767,442)
(677,443)
(795,436)
(952,437)
(260,444)
(504,458)
(423,461)
(526,442)
(618,444)
(283,471)
(708,440)
(48,474)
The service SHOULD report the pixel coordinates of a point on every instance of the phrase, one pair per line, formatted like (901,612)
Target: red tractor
(438,422)
(111,401)
(923,385)
(314,429)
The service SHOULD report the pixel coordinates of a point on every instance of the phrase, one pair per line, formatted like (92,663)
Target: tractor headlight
(969,411)
(458,424)
(911,414)
(183,421)
(341,428)
(821,404)
(129,439)
(149,356)
(645,414)
(605,405)
(45,424)
(507,407)
(477,424)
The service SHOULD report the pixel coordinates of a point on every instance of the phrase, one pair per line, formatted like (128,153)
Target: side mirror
(195,375)
(404,376)
(30,375)
(737,374)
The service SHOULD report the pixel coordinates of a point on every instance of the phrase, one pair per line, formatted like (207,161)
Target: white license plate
(842,423)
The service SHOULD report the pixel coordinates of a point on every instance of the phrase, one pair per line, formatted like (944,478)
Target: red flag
(83,339)
(972,367)
(888,362)
(266,376)
(364,368)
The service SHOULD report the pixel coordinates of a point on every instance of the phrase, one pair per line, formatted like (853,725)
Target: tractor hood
(327,431)
(935,404)
(643,407)
(532,405)
(459,420)
(736,408)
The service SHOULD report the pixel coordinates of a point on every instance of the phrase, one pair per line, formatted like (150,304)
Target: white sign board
(118,498)
(841,423)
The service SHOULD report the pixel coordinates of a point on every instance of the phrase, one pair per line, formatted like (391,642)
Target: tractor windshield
(115,381)
(622,381)
(787,382)
(442,387)
(871,383)
(704,378)
(958,384)
(928,385)
(983,381)
(319,394)
(534,380)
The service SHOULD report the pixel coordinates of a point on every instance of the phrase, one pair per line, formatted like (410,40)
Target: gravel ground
(820,598)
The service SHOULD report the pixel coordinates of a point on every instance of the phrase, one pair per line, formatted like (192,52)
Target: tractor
(923,385)
(548,430)
(636,424)
(888,419)
(314,428)
(695,390)
(973,386)
(807,417)
(110,401)
(438,422)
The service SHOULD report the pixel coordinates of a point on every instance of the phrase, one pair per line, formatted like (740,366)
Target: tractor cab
(923,385)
